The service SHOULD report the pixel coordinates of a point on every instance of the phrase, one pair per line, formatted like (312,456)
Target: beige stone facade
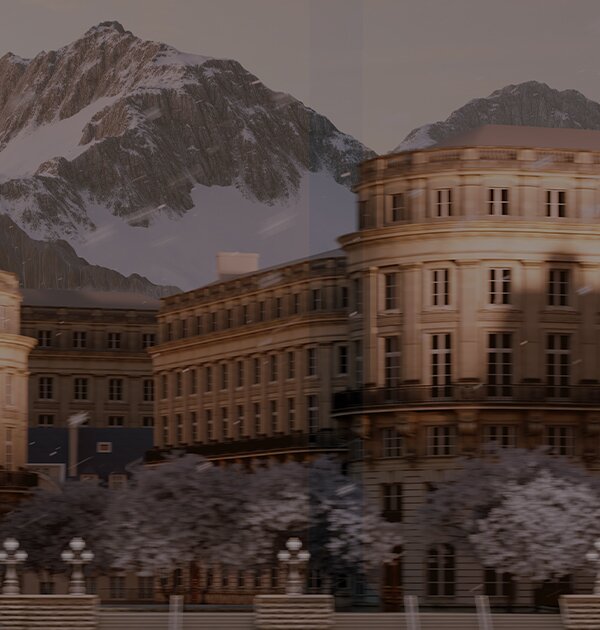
(465,309)
(91,356)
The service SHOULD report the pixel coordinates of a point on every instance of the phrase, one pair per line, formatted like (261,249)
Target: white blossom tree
(541,529)
(513,510)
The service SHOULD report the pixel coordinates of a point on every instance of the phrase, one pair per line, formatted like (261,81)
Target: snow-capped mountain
(148,160)
(531,103)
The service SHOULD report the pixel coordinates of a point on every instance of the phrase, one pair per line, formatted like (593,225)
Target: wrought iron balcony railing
(525,393)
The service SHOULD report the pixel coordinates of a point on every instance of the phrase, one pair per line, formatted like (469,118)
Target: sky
(376,68)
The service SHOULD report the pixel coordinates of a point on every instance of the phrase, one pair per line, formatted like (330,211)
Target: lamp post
(594,556)
(77,556)
(10,557)
(294,557)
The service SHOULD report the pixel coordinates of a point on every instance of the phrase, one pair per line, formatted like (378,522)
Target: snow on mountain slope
(138,128)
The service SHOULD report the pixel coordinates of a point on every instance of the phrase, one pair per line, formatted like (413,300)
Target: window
(79,339)
(498,202)
(245,314)
(504,436)
(148,390)
(239,422)
(256,369)
(558,365)
(558,287)
(224,577)
(239,373)
(358,363)
(366,218)
(440,289)
(257,419)
(497,584)
(291,364)
(229,318)
(560,440)
(272,367)
(208,378)
(46,387)
(278,307)
(80,389)
(169,332)
(114,341)
(183,327)
(391,495)
(148,340)
(295,303)
(499,286)
(8,448)
(46,419)
(499,364)
(116,421)
(262,311)
(357,292)
(198,321)
(291,414)
(164,386)
(44,338)
(145,587)
(179,427)
(178,384)
(391,361)
(443,202)
(225,422)
(441,365)
(274,416)
(312,413)
(440,570)
(212,321)
(556,203)
(391,443)
(311,362)
(148,421)
(240,578)
(316,300)
(397,208)
(224,376)
(344,302)
(193,379)
(117,587)
(441,440)
(194,426)
(390,291)
(115,389)
(210,429)
(91,585)
(342,360)
(8,389)
(165,430)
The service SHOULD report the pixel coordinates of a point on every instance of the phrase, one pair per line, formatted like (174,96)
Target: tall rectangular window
(256,370)
(291,414)
(295,303)
(208,379)
(228,318)
(9,390)
(499,364)
(342,360)
(366,218)
(193,378)
(441,365)
(246,314)
(441,440)
(440,287)
(262,311)
(147,421)
(273,416)
(391,361)
(148,340)
(558,287)
(179,426)
(358,295)
(194,426)
(183,324)
(240,429)
(46,419)
(164,386)
(225,422)
(273,372)
(46,387)
(224,376)
(311,362)
(278,307)
(398,208)
(291,364)
(79,339)
(358,363)
(390,281)
(497,584)
(257,419)
(391,443)
(178,384)
(114,341)
(198,320)
(558,365)
(312,413)
(115,389)
(316,299)
(209,424)
(212,321)
(498,202)
(116,421)
(499,286)
(560,440)
(44,338)
(556,203)
(503,435)
(391,495)
(344,302)
(443,202)
(164,423)
(239,373)
(148,390)
(80,388)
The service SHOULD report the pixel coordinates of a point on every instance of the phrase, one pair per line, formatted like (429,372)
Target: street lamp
(77,556)
(10,557)
(294,558)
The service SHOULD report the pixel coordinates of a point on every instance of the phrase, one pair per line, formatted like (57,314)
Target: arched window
(441,569)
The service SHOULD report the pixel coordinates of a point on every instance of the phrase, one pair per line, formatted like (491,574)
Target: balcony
(323,441)
(476,393)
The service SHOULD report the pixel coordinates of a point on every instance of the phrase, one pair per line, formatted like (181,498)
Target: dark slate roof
(48,445)
(86,298)
(525,137)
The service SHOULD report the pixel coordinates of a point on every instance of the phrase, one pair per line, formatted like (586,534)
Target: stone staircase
(447,621)
(289,612)
(580,612)
(48,612)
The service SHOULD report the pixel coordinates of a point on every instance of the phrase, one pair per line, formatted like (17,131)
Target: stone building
(463,310)
(91,356)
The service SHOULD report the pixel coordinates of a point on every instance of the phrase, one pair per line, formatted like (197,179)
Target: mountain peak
(530,103)
(109,25)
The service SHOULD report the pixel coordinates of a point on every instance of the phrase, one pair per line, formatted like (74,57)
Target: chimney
(233,264)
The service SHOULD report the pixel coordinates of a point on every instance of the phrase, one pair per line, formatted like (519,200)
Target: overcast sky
(376,68)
